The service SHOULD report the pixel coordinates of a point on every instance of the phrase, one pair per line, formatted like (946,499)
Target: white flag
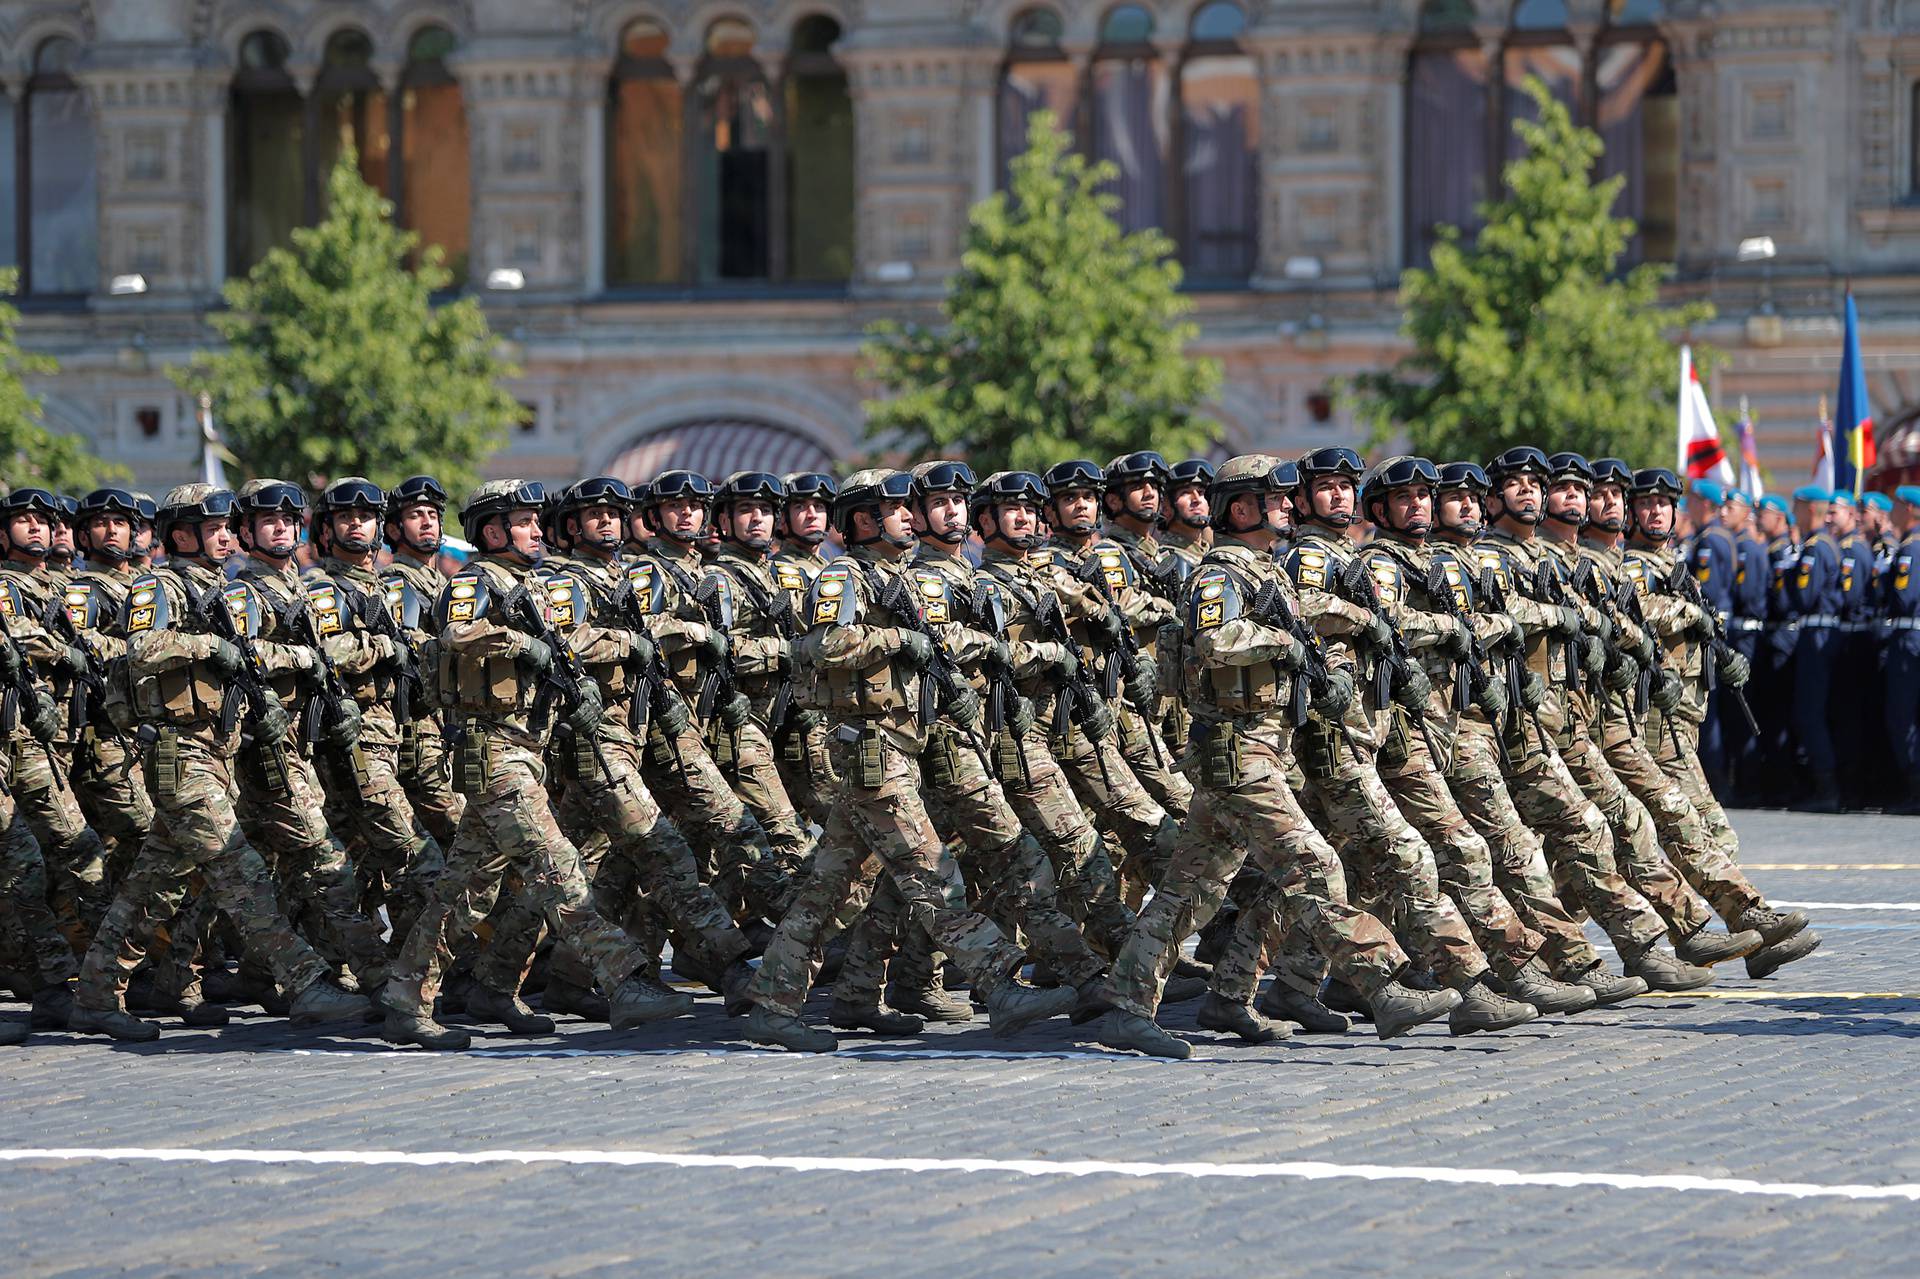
(1701,455)
(212,469)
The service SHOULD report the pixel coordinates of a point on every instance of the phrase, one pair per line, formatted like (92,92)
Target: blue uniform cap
(1908,493)
(1812,493)
(1706,489)
(1840,497)
(1774,502)
(1735,495)
(1879,501)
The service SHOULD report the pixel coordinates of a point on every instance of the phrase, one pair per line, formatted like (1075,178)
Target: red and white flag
(1701,456)
(1823,449)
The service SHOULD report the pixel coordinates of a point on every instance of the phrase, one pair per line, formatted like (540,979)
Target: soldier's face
(62,537)
(1568,500)
(753,524)
(523,534)
(109,532)
(1520,494)
(896,521)
(1190,506)
(1017,521)
(1459,508)
(1411,509)
(1653,513)
(1607,508)
(1075,510)
(1142,499)
(355,530)
(143,538)
(1278,510)
(276,534)
(807,518)
(600,525)
(31,534)
(682,517)
(420,526)
(1841,519)
(1877,520)
(1331,495)
(217,539)
(946,514)
(1735,516)
(1772,523)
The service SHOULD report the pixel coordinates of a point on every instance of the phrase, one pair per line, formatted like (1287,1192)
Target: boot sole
(1499,1023)
(768,1041)
(1722,951)
(1052,1006)
(1812,943)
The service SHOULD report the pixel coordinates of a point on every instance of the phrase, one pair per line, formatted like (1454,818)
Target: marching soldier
(413,530)
(1900,601)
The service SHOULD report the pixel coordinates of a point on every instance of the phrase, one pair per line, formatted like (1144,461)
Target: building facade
(704,204)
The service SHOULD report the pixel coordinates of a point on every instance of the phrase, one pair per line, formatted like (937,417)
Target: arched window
(644,192)
(52,232)
(267,182)
(734,136)
(1129,100)
(819,122)
(1219,125)
(1623,88)
(434,194)
(1036,77)
(350,110)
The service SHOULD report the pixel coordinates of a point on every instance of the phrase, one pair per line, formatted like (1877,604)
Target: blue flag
(1853,452)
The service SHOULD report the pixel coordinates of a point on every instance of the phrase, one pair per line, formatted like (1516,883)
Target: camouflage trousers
(368,809)
(1465,862)
(318,890)
(1037,788)
(1011,874)
(1152,762)
(1710,861)
(732,845)
(75,857)
(1258,817)
(29,919)
(508,826)
(1106,785)
(806,770)
(113,797)
(888,822)
(1579,845)
(1519,862)
(1394,865)
(747,760)
(645,876)
(426,775)
(196,836)
(1636,841)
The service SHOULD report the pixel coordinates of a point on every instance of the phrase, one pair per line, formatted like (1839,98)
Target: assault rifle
(88,688)
(1122,655)
(1393,668)
(374,614)
(212,616)
(565,680)
(1512,654)
(1682,583)
(330,694)
(1076,701)
(720,683)
(1269,607)
(1472,674)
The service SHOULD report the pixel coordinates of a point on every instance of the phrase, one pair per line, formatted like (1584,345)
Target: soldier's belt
(1903,624)
(1747,624)
(1820,621)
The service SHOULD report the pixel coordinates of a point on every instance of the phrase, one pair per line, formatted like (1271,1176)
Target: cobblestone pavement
(1811,1078)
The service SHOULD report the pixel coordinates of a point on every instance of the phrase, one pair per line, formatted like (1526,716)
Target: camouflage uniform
(800,744)
(424,771)
(106,776)
(24,909)
(189,767)
(1135,584)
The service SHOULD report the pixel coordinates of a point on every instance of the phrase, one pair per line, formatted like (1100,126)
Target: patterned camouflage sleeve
(156,651)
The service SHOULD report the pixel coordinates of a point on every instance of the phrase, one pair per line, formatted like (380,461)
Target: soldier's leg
(1042,798)
(756,779)
(792,957)
(806,770)
(23,896)
(113,798)
(1692,826)
(150,896)
(688,784)
(1636,846)
(1106,785)
(75,857)
(366,804)
(1152,763)
(427,777)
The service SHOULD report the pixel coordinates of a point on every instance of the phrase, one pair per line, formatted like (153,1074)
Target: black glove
(74,660)
(585,715)
(1491,698)
(1020,716)
(272,724)
(1097,721)
(643,650)
(1107,628)
(673,717)
(783,656)
(1458,642)
(1533,690)
(1733,666)
(1645,651)
(537,658)
(1593,656)
(1605,630)
(716,645)
(1411,687)
(11,665)
(1143,688)
(1621,674)
(1294,656)
(1564,619)
(1065,667)
(735,712)
(345,729)
(916,651)
(1331,700)
(1519,634)
(999,656)
(964,706)
(226,657)
(41,715)
(1378,637)
(804,722)
(1666,691)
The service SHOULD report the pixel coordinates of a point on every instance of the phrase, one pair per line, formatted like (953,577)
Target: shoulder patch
(935,596)
(1310,568)
(323,598)
(565,601)
(1213,600)
(788,576)
(1112,563)
(146,607)
(832,601)
(463,599)
(83,604)
(243,603)
(1386,578)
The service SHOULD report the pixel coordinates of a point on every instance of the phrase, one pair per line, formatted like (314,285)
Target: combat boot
(491,1006)
(784,1030)
(643,999)
(1768,960)
(831,961)
(1341,997)
(13,1032)
(453,995)
(881,1020)
(1534,985)
(565,997)
(412,1028)
(1212,946)
(1707,948)
(930,1002)
(1130,1032)
(113,1022)
(1826,795)
(1484,1008)
(1093,1003)
(1608,989)
(1185,967)
(1398,1009)
(1179,990)
(1283,1003)
(52,1007)
(1230,1018)
(1774,926)
(1663,970)
(734,982)
(1015,1006)
(196,1012)
(324,1001)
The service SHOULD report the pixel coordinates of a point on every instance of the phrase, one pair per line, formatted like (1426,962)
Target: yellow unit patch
(1387,578)
(560,606)
(77,604)
(140,617)
(460,610)
(1113,564)
(789,577)
(325,602)
(1212,613)
(825,610)
(1313,569)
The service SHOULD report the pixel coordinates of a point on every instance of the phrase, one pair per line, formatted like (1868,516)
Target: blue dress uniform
(1900,605)
(1817,595)
(1856,672)
(1715,563)
(1752,582)
(1771,690)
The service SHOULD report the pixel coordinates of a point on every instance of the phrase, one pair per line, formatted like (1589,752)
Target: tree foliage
(1530,335)
(338,362)
(30,454)
(1062,336)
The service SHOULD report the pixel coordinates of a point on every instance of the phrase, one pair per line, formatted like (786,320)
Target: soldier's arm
(159,650)
(600,645)
(1241,642)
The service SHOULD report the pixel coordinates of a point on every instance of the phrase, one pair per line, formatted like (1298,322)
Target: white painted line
(1850,905)
(1303,1170)
(387,1053)
(1845,866)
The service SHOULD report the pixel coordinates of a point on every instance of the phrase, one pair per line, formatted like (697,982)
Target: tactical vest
(1218,594)
(190,693)
(878,690)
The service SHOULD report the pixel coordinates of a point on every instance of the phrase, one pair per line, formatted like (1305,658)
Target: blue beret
(1705,489)
(1735,495)
(1879,501)
(1841,497)
(1812,493)
(1774,502)
(1908,493)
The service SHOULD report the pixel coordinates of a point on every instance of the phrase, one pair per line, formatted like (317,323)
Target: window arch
(51,226)
(734,141)
(434,194)
(348,108)
(644,190)
(1461,111)
(819,118)
(1218,189)
(1036,76)
(265,138)
(1128,97)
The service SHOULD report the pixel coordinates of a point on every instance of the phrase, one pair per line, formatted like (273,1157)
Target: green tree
(29,452)
(1062,337)
(1530,335)
(338,362)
